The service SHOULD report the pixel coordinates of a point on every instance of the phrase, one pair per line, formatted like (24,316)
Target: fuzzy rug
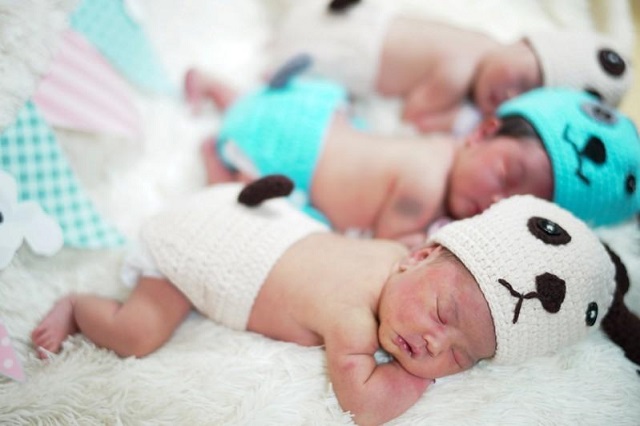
(209,375)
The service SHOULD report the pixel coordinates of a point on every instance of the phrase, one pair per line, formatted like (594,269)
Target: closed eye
(501,174)
(513,175)
(456,360)
(463,359)
(439,315)
(448,311)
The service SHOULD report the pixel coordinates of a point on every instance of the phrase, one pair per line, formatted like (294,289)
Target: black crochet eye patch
(600,112)
(550,289)
(611,62)
(548,231)
(594,149)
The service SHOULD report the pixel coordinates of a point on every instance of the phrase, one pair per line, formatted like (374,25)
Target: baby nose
(497,197)
(437,342)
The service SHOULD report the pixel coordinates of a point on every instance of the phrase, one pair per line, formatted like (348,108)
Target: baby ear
(485,130)
(416,256)
(621,325)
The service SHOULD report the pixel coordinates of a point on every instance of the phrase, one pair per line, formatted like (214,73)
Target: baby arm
(374,394)
(405,214)
(435,102)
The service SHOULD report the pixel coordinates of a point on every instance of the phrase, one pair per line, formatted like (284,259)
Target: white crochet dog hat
(583,60)
(547,278)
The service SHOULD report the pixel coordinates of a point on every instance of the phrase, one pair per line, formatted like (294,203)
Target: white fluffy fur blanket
(209,375)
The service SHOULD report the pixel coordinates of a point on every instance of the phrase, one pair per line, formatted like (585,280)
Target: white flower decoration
(24,221)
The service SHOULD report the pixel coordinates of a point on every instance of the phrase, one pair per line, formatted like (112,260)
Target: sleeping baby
(558,144)
(463,296)
(436,68)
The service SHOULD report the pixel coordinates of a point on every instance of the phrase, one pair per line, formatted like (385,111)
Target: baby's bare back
(319,279)
(391,186)
(415,49)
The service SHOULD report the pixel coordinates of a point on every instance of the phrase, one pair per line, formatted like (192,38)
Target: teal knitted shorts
(281,130)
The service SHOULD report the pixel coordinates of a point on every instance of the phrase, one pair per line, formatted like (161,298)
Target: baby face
(505,73)
(434,319)
(492,168)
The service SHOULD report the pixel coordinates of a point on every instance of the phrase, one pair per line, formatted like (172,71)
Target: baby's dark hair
(447,254)
(517,127)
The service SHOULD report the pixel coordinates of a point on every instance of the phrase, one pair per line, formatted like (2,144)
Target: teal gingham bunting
(30,153)
(108,26)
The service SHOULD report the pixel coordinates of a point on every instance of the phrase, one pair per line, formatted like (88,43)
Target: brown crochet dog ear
(296,65)
(621,325)
(265,188)
(339,6)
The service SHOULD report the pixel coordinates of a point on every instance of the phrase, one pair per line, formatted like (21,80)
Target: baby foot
(55,327)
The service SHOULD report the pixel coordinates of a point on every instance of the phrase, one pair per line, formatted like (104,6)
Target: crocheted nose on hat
(583,60)
(594,152)
(547,278)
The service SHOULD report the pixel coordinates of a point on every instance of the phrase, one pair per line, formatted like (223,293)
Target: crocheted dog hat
(593,148)
(584,61)
(546,277)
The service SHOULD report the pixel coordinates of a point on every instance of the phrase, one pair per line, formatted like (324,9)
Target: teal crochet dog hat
(594,152)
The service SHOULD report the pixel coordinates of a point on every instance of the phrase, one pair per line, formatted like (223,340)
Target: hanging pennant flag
(30,153)
(108,25)
(10,365)
(82,91)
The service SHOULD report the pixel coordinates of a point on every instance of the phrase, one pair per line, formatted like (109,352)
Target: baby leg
(217,172)
(199,87)
(136,327)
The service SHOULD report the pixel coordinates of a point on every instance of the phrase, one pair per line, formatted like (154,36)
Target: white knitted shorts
(217,251)
(344,47)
